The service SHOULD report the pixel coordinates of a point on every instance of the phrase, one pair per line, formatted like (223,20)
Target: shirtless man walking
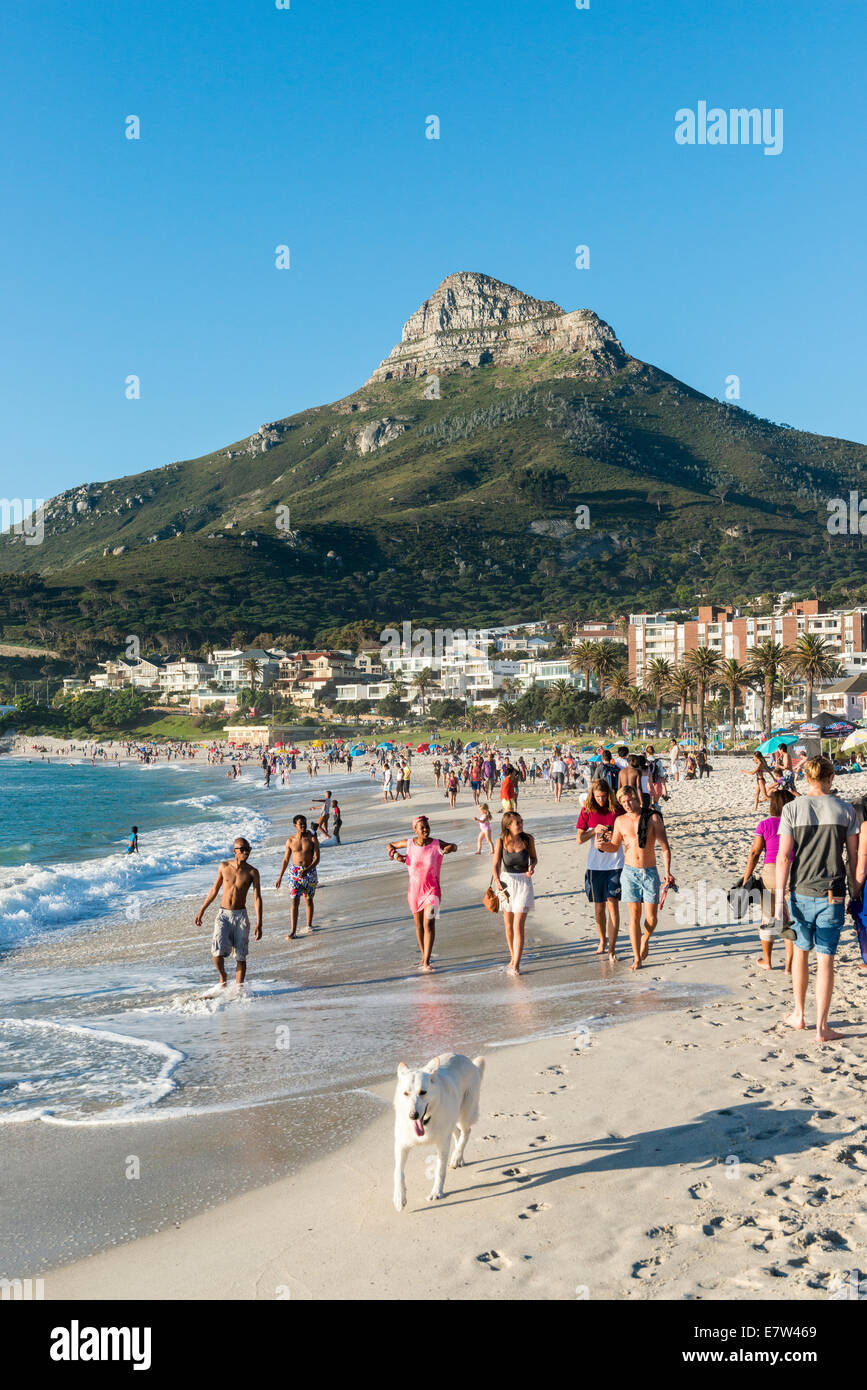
(639,832)
(234,880)
(303,850)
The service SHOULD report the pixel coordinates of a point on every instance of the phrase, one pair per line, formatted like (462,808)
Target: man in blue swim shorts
(638,831)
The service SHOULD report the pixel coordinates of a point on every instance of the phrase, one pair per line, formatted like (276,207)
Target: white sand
(704,1153)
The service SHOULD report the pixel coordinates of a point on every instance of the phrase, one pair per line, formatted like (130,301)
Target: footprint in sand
(540,1139)
(533,1210)
(517,1173)
(493,1260)
(700,1190)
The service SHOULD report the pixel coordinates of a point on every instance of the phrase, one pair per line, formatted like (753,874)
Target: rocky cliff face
(471,320)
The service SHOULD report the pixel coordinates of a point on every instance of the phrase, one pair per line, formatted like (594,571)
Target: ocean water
(64,827)
(108,1007)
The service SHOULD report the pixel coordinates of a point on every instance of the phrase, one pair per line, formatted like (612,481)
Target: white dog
(430,1106)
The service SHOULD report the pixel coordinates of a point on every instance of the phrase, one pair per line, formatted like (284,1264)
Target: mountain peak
(471,320)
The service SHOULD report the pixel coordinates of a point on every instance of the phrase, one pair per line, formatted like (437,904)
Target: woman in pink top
(767,842)
(423,858)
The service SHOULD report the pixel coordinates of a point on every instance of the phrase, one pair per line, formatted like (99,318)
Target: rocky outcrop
(265,438)
(377,433)
(471,320)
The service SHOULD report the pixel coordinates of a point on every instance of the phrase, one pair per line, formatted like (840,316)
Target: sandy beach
(703,1151)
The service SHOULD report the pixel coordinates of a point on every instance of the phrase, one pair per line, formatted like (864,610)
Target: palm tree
(253,669)
(656,678)
(636,699)
(733,678)
(618,684)
(505,713)
(608,658)
(765,662)
(704,663)
(583,658)
(813,659)
(558,691)
(680,686)
(423,681)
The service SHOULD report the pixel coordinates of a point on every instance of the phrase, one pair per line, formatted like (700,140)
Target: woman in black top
(514,863)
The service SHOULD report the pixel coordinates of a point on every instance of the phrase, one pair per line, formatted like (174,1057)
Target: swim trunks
(302,881)
(639,885)
(231,933)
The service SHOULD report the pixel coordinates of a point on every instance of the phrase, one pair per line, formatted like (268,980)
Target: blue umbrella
(471,745)
(385,745)
(770,745)
(358,748)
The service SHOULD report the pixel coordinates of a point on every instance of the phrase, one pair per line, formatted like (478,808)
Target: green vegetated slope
(466,517)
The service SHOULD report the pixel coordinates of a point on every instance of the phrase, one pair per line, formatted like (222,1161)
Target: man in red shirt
(508,796)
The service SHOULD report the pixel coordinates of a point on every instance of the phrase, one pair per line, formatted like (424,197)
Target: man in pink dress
(423,857)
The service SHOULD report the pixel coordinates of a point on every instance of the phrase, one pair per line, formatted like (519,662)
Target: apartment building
(119,675)
(727,631)
(232,667)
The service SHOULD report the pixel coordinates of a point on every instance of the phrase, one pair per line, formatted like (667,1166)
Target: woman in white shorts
(514,862)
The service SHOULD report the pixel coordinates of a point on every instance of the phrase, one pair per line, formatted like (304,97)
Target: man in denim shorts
(815,829)
(639,832)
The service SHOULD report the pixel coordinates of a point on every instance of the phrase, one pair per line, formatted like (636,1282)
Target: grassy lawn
(178,726)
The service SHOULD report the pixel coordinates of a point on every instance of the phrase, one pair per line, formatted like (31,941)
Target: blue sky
(306,126)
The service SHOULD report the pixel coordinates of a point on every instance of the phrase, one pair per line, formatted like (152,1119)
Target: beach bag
(491,899)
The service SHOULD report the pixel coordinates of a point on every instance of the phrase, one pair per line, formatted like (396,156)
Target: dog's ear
(434,1067)
(401,1068)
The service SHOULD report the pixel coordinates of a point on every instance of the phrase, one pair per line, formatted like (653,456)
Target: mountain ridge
(342,510)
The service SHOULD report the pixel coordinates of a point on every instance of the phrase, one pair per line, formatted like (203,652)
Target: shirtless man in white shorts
(235,878)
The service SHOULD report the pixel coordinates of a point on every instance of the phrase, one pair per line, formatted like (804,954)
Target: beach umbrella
(357,748)
(296,752)
(385,745)
(422,748)
(770,745)
(855,740)
(474,744)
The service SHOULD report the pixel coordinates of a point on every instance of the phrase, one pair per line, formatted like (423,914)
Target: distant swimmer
(234,880)
(132,841)
(302,849)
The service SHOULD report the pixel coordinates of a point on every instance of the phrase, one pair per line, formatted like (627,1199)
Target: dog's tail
(480,1063)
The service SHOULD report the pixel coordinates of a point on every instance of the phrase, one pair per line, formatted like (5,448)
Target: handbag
(491,899)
